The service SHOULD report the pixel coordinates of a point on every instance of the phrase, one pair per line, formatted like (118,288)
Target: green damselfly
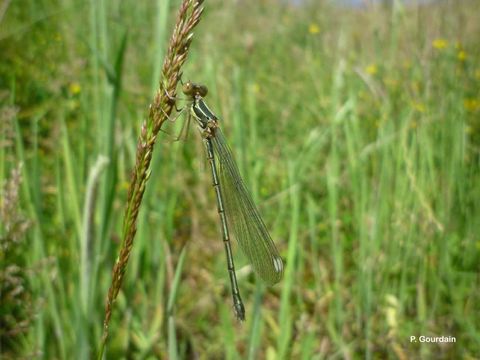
(235,205)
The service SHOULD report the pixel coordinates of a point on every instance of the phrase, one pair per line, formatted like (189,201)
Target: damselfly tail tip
(240,315)
(238,308)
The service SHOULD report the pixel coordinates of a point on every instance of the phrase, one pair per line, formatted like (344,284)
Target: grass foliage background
(357,130)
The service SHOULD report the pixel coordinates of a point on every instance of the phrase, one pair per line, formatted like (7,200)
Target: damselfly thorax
(206,120)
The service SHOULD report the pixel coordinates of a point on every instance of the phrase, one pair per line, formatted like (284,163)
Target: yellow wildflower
(391,311)
(74,88)
(462,55)
(471,104)
(440,44)
(371,69)
(419,107)
(313,29)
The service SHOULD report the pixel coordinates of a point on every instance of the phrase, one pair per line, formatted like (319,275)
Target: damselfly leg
(185,125)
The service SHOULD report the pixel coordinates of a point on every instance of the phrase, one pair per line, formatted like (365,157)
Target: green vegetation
(357,131)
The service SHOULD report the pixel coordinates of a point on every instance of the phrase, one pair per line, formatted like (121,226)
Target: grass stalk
(172,334)
(87,232)
(163,103)
(285,317)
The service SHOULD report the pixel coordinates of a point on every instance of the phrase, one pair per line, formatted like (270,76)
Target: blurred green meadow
(357,130)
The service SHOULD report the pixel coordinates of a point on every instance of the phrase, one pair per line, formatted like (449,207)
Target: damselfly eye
(202,90)
(187,88)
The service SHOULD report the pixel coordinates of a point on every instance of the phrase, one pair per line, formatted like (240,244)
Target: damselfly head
(192,89)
